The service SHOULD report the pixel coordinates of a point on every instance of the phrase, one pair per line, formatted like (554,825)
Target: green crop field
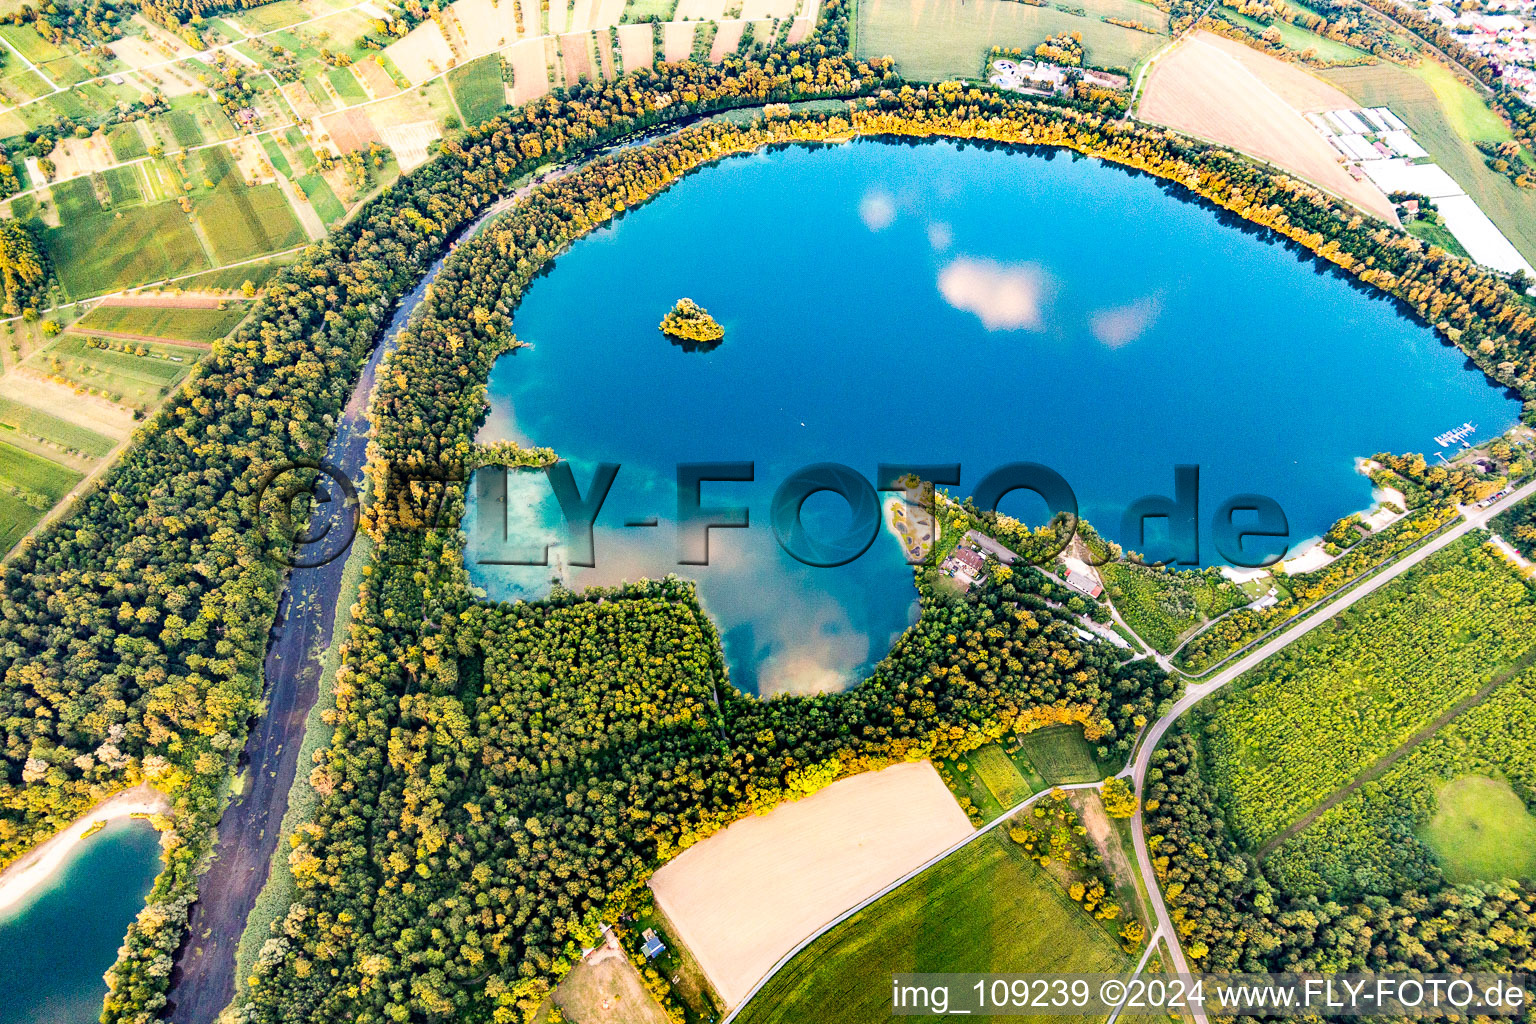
(124,186)
(137,380)
(96,251)
(1456,803)
(127,143)
(638,10)
(276,157)
(317,93)
(478,89)
(242,222)
(183,128)
(36,423)
(165,322)
(16,518)
(987,907)
(1333,703)
(34,473)
(1447,116)
(347,86)
(322,198)
(32,46)
(999,774)
(964,781)
(949,39)
(1060,754)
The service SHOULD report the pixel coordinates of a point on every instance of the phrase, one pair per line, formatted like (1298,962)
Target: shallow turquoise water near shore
(60,942)
(939,303)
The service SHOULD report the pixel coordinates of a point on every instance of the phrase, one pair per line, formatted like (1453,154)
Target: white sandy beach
(34,868)
(1311,556)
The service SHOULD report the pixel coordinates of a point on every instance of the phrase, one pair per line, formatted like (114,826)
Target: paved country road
(1471,519)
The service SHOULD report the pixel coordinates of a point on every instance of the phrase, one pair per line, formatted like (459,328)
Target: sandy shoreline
(35,867)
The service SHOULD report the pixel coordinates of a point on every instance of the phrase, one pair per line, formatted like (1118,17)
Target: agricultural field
(999,774)
(1455,805)
(134,374)
(478,88)
(240,221)
(23,471)
(1333,703)
(320,195)
(932,40)
(747,895)
(988,907)
(170,323)
(96,249)
(29,486)
(71,400)
(1218,89)
(1447,118)
(1059,755)
(24,426)
(1165,605)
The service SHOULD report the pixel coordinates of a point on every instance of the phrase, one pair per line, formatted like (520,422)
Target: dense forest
(1338,699)
(1230,916)
(1372,843)
(493,799)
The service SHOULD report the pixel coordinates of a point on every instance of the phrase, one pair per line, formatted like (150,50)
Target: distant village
(1504,31)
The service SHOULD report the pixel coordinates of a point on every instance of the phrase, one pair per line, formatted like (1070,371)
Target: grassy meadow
(1482,830)
(1060,754)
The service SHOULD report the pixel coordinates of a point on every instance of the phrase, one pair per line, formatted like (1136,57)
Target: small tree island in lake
(690,325)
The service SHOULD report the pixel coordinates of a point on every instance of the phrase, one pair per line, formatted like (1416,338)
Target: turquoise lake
(60,941)
(939,303)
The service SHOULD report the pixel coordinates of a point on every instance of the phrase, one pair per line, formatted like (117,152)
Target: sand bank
(35,867)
